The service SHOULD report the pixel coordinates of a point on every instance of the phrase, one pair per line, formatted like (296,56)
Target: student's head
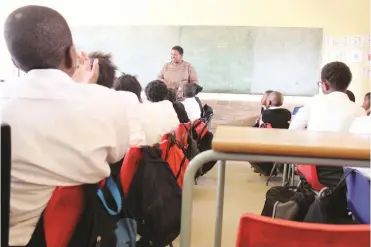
(171,95)
(177,54)
(275,99)
(265,96)
(366,102)
(107,69)
(335,76)
(128,83)
(351,95)
(38,37)
(190,90)
(156,91)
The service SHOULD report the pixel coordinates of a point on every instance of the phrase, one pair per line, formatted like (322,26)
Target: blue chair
(358,195)
(296,109)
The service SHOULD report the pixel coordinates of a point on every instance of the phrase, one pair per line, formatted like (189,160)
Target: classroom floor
(244,192)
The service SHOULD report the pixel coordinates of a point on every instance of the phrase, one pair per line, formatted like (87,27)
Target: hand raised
(85,71)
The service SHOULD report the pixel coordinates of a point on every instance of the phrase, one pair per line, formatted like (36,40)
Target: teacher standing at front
(178,72)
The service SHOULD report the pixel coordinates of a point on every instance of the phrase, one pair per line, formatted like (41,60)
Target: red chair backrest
(261,231)
(309,172)
(62,214)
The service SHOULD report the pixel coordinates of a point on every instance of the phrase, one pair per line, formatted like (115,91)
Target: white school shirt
(157,119)
(327,112)
(63,134)
(192,108)
(361,125)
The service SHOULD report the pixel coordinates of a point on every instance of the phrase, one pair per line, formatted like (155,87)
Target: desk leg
(284,174)
(220,204)
(187,194)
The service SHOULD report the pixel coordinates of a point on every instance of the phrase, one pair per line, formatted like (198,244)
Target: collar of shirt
(273,107)
(55,75)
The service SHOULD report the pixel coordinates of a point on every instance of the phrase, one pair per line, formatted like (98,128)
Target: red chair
(261,231)
(309,172)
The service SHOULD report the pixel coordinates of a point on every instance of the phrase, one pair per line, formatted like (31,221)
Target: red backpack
(170,152)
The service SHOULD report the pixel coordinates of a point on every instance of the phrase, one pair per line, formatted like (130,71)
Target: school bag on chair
(154,197)
(170,152)
(77,216)
(330,207)
(204,139)
(186,141)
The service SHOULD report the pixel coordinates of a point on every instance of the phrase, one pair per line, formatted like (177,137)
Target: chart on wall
(353,50)
(227,59)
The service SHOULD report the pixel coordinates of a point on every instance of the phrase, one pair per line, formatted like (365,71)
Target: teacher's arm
(193,77)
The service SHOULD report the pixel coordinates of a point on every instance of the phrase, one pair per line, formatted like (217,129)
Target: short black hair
(351,95)
(107,69)
(38,37)
(156,91)
(337,74)
(171,95)
(190,90)
(128,83)
(367,95)
(178,49)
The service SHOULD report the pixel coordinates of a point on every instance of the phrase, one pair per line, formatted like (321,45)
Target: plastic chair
(6,164)
(261,231)
(309,172)
(275,165)
(358,195)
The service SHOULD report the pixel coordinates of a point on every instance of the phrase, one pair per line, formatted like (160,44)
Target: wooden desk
(230,139)
(262,145)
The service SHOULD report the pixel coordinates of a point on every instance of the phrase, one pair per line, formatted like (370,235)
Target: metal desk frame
(199,160)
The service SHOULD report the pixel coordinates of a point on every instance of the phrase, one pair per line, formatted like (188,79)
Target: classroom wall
(336,17)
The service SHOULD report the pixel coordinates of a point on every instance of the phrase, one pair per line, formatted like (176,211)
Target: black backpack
(154,198)
(289,203)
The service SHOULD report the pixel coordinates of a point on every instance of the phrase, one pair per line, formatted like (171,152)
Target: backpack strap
(112,187)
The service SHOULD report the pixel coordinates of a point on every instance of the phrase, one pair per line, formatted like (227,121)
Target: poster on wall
(355,41)
(367,72)
(355,56)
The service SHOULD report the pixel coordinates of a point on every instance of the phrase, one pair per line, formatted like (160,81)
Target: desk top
(231,139)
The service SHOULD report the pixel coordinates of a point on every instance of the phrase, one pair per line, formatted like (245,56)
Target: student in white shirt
(332,110)
(190,103)
(63,133)
(361,125)
(158,115)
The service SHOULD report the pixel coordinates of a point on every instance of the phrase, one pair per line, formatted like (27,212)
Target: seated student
(361,125)
(64,133)
(107,69)
(262,107)
(330,111)
(158,115)
(277,116)
(351,95)
(190,103)
(366,103)
(178,107)
(128,83)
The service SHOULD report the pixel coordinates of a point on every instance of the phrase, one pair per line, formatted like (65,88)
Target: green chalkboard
(227,59)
